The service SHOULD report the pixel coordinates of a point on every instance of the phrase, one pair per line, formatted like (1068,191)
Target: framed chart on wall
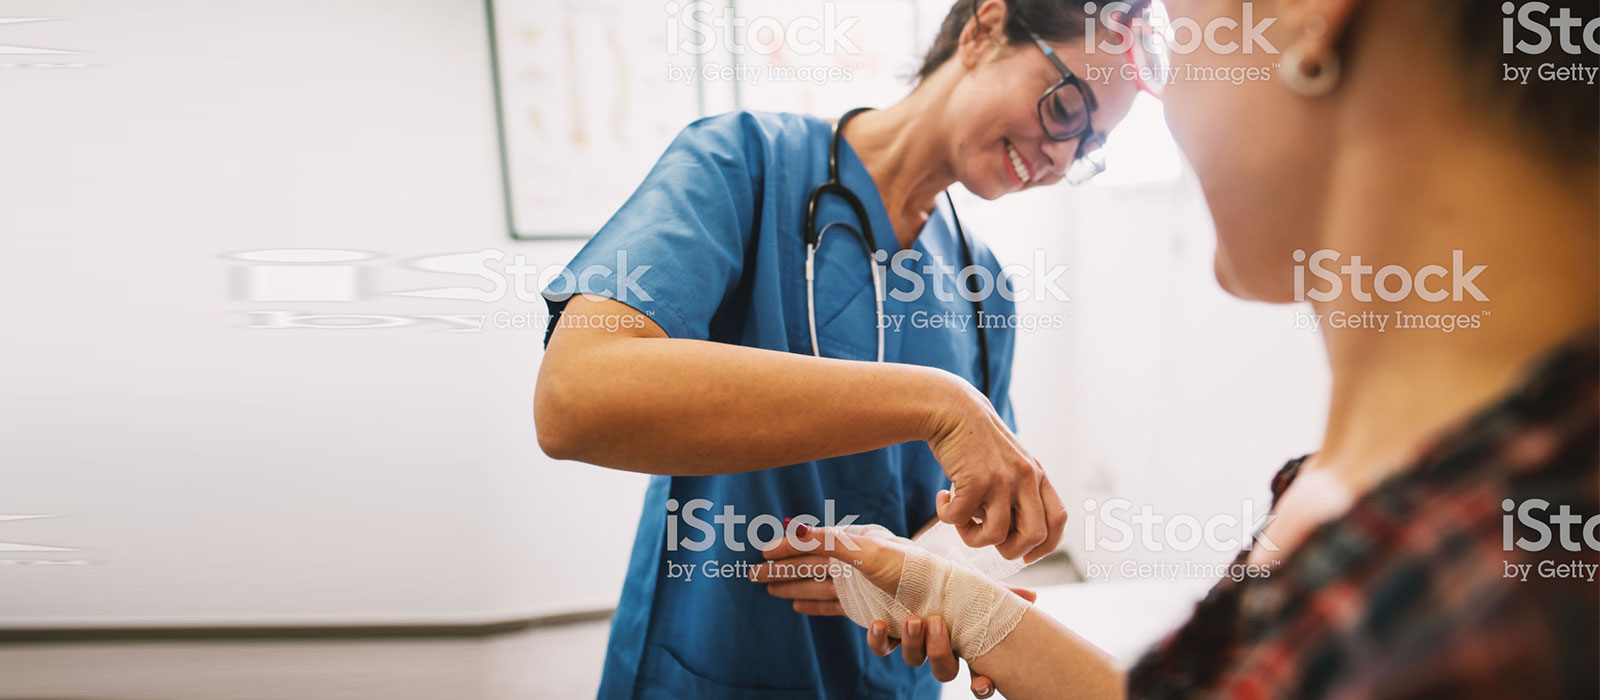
(590,92)
(585,107)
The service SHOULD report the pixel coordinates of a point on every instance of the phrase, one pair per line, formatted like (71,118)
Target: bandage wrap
(977,609)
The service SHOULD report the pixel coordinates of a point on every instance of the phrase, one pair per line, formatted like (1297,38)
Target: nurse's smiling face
(998,144)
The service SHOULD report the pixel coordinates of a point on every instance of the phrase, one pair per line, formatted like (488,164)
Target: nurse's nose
(1060,154)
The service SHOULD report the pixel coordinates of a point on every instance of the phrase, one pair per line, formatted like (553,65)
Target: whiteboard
(590,92)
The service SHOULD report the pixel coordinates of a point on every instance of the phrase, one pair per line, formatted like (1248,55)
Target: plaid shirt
(1406,595)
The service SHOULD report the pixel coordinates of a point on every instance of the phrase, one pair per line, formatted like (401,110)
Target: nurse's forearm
(660,405)
(1041,658)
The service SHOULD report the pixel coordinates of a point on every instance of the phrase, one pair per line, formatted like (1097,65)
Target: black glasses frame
(1089,140)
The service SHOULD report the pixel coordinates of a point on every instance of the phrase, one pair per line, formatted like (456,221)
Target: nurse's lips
(1018,169)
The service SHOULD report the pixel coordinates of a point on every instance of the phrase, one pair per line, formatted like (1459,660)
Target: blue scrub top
(718,223)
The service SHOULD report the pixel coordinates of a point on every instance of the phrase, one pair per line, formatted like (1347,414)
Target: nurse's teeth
(1017,166)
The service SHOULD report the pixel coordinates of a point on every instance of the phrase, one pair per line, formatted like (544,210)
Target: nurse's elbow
(556,420)
(556,441)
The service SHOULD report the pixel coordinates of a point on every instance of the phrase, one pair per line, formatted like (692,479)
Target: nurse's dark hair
(1056,21)
(1559,117)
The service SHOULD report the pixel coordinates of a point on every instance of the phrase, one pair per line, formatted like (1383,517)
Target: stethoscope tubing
(811,297)
(813,239)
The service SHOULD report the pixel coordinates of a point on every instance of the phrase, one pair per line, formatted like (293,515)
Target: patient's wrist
(978,611)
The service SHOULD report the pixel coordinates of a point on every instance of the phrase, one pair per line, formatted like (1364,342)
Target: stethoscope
(814,240)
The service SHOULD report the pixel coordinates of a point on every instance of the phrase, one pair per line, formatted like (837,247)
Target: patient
(1388,133)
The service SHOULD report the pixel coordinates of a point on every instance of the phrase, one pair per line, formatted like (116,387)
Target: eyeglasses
(1064,112)
(1150,40)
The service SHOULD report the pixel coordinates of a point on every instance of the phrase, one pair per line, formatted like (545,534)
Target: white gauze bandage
(977,609)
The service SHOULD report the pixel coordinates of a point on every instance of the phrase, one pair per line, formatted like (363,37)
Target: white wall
(212,472)
(1162,390)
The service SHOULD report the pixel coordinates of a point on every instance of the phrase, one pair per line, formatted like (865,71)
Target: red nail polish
(802,529)
(786,523)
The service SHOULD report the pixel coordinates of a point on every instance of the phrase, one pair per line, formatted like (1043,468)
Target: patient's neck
(1532,225)
(903,148)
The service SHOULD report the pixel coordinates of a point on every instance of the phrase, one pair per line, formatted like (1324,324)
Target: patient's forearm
(1041,658)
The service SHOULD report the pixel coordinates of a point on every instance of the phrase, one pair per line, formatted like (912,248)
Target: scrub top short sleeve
(676,248)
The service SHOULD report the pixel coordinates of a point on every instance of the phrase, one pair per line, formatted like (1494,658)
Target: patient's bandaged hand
(977,609)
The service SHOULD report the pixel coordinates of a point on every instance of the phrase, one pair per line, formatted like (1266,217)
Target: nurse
(715,346)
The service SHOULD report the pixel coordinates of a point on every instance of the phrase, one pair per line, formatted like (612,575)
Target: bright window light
(1140,150)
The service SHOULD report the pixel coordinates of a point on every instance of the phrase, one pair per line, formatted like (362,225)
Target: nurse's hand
(1001,495)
